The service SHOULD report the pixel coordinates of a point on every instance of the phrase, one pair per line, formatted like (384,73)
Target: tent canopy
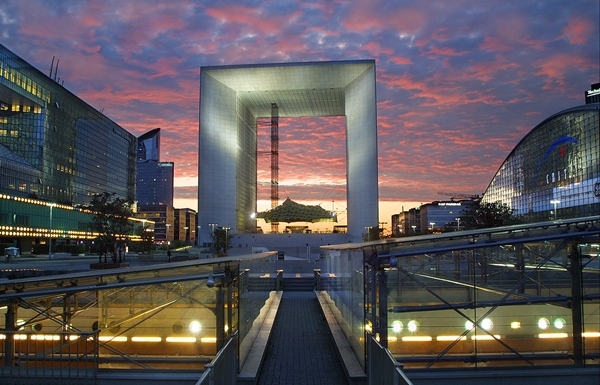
(290,211)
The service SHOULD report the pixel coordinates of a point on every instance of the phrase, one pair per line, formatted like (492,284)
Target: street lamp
(368,232)
(198,236)
(51,205)
(186,234)
(555,202)
(143,235)
(432,224)
(168,242)
(225,247)
(458,224)
(414,227)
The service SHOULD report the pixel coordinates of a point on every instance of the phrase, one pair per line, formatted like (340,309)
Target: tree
(488,214)
(221,238)
(110,219)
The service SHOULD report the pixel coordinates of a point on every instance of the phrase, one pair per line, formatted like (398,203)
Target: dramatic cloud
(459,83)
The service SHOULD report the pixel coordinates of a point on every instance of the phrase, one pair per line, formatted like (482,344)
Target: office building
(53,145)
(554,171)
(154,178)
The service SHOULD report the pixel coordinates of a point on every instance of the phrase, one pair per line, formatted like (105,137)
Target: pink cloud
(367,15)
(579,30)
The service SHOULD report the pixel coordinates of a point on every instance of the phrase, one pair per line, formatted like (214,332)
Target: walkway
(301,350)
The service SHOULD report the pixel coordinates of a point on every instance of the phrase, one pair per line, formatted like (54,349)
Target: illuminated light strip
(591,334)
(20,336)
(208,339)
(553,335)
(485,337)
(392,339)
(181,339)
(111,339)
(146,339)
(45,337)
(416,339)
(451,338)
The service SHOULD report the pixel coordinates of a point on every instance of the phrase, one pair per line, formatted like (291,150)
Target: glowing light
(487,324)
(515,325)
(485,337)
(451,338)
(591,334)
(45,337)
(210,340)
(543,323)
(397,326)
(416,338)
(559,323)
(146,339)
(553,335)
(181,339)
(469,325)
(195,327)
(112,339)
(413,326)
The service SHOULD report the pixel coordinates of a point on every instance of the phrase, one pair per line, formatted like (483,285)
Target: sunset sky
(459,83)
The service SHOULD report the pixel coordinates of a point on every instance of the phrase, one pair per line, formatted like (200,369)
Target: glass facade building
(149,145)
(554,172)
(155,183)
(53,145)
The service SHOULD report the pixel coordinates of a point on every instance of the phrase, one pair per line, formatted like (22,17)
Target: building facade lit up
(53,145)
(554,172)
(56,152)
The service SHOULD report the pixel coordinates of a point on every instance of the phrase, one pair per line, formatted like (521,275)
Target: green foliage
(486,215)
(221,238)
(110,218)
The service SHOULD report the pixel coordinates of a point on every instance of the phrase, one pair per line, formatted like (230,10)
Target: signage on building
(593,95)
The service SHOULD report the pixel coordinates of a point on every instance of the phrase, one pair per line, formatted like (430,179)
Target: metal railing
(383,369)
(223,368)
(60,355)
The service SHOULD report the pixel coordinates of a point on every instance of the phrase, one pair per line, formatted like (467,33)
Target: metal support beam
(11,327)
(274,161)
(576,304)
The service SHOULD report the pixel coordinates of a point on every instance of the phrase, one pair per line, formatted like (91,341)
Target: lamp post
(225,247)
(143,235)
(432,224)
(457,224)
(212,232)
(414,227)
(198,236)
(51,205)
(186,235)
(555,202)
(368,232)
(167,225)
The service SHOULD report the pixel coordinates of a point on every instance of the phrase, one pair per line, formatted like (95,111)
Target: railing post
(317,276)
(279,286)
(11,327)
(577,305)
